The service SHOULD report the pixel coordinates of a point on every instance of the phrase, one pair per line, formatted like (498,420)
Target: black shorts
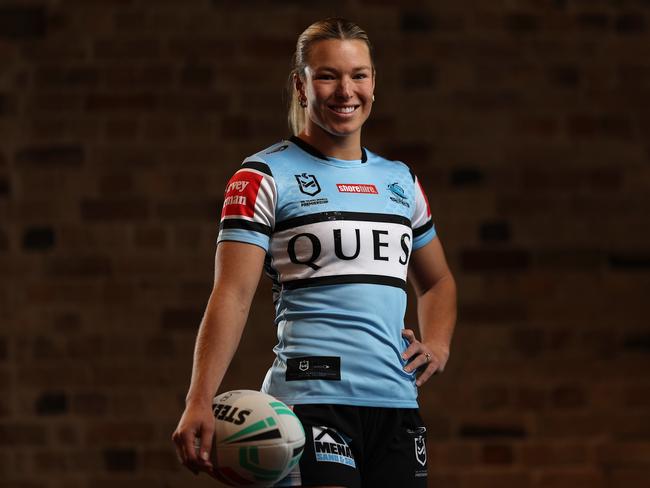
(360,447)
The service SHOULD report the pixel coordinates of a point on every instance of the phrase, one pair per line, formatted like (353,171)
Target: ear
(299,85)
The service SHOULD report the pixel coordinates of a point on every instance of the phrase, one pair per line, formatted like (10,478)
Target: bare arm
(237,272)
(436,296)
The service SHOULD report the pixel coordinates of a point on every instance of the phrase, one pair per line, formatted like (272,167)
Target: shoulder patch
(241,194)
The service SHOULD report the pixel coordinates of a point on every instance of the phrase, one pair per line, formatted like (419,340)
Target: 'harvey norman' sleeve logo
(241,194)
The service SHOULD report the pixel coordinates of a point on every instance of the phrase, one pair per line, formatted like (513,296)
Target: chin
(343,130)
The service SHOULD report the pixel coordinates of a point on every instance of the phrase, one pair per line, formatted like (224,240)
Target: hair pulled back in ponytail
(330,28)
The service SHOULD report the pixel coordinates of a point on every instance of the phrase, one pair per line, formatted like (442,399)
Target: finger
(205,446)
(185,459)
(408,334)
(418,362)
(178,447)
(191,461)
(426,374)
(412,350)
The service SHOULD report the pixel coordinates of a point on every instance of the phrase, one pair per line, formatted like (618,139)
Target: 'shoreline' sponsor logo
(356,188)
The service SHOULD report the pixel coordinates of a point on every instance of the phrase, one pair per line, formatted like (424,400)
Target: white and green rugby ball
(258,439)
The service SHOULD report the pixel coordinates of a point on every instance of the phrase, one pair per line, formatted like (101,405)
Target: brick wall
(528,122)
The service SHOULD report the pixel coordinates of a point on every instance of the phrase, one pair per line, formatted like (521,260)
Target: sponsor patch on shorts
(332,447)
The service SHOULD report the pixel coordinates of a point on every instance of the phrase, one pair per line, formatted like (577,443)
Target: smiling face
(338,87)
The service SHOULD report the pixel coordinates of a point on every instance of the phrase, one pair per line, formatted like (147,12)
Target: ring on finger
(427,356)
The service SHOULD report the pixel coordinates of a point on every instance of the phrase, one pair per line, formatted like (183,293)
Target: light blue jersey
(338,237)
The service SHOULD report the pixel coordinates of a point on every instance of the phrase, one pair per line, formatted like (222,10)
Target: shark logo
(398,194)
(397,190)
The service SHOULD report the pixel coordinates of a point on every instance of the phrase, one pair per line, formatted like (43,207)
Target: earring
(373,98)
(303,102)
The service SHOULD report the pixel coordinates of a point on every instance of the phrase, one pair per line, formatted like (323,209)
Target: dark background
(528,122)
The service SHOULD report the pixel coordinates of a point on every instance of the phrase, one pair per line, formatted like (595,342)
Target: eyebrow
(329,68)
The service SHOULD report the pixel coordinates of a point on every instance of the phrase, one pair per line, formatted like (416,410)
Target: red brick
(196,103)
(474,260)
(165,131)
(498,454)
(160,460)
(625,454)
(89,404)
(123,482)
(122,129)
(114,209)
(21,434)
(133,77)
(67,435)
(132,102)
(114,433)
(50,462)
(202,47)
(628,478)
(204,210)
(129,49)
(569,396)
(151,238)
(498,479)
(538,454)
(91,266)
(571,426)
(583,478)
(637,396)
(23,22)
(494,397)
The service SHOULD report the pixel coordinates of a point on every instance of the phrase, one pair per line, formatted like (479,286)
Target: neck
(339,147)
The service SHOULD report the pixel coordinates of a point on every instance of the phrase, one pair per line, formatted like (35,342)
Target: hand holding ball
(258,439)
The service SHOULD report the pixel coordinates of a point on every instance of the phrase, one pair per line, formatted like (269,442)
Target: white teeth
(344,110)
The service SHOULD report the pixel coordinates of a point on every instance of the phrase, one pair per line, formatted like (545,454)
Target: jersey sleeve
(423,229)
(248,213)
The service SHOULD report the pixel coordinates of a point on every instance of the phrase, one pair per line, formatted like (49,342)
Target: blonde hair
(330,28)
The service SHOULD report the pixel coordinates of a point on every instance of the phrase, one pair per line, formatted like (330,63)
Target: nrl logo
(303,365)
(308,184)
(420,450)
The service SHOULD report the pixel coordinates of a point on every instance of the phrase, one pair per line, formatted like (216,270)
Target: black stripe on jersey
(412,173)
(345,279)
(245,225)
(259,166)
(421,230)
(327,216)
(305,146)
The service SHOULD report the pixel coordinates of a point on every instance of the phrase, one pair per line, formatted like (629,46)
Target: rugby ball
(258,439)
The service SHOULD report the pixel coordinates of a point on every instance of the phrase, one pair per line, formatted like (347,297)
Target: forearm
(437,314)
(217,340)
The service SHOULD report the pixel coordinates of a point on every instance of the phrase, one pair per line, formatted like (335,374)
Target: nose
(344,88)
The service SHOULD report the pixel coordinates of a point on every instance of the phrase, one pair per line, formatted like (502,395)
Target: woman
(336,227)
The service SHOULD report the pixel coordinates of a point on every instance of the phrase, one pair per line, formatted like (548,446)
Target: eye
(324,76)
(360,76)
